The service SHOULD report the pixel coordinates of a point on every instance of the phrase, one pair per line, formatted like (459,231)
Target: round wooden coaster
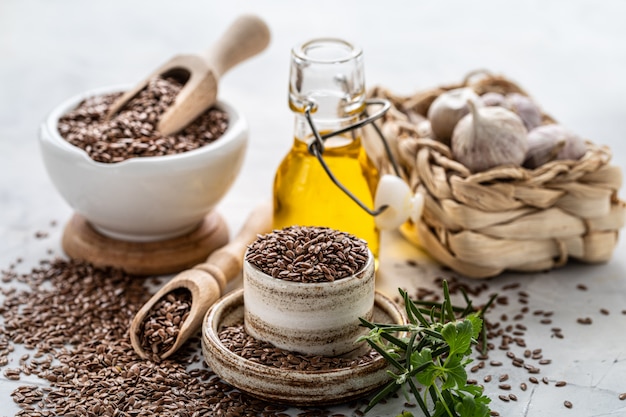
(82,241)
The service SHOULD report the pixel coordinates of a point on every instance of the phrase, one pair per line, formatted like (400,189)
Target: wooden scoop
(246,37)
(205,281)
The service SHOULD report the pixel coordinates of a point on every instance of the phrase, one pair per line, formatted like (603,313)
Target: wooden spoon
(205,281)
(246,37)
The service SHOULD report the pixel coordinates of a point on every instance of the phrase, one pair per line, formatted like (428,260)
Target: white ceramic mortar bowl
(145,198)
(312,318)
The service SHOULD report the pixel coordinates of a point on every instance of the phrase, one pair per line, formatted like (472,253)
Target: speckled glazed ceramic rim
(302,388)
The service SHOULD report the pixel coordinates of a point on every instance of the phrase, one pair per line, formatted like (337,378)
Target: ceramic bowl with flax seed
(351,379)
(147,198)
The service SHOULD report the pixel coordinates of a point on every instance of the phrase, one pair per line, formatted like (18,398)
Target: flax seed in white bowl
(147,198)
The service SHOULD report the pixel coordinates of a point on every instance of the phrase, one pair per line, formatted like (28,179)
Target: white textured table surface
(570,55)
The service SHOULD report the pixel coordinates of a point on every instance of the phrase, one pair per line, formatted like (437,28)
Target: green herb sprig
(432,350)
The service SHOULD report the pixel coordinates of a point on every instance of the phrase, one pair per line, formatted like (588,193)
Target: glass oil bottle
(327,93)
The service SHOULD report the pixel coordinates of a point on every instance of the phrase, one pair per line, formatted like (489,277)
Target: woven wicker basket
(506,218)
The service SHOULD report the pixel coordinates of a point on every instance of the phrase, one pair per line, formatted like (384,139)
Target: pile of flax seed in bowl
(132,132)
(308,254)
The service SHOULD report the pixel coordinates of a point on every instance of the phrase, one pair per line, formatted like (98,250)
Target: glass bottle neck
(326,76)
(304,136)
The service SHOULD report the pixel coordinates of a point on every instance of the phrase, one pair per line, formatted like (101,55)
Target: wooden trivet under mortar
(82,241)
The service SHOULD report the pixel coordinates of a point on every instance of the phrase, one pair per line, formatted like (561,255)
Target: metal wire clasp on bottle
(316,147)
(401,202)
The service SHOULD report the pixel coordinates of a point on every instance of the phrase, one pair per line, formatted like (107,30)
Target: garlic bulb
(447,109)
(525,108)
(489,137)
(553,141)
(492,99)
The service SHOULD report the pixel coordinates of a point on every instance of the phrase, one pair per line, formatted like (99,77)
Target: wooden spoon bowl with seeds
(247,36)
(205,282)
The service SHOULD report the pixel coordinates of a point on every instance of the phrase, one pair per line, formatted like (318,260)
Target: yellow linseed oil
(304,195)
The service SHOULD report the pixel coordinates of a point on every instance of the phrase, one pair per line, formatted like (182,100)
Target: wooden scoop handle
(205,281)
(247,36)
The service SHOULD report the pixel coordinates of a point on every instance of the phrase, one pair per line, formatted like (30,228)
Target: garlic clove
(573,146)
(542,148)
(525,108)
(489,137)
(401,203)
(447,109)
(492,99)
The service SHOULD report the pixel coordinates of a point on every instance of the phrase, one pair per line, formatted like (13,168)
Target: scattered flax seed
(568,404)
(622,396)
(504,386)
(534,370)
(12,374)
(561,384)
(545,380)
(494,413)
(533,380)
(586,320)
(523,386)
(545,362)
(503,377)
(504,398)
(75,319)
(511,286)
(513,397)
(495,363)
(545,321)
(604,311)
(487,378)
(624,312)
(582,287)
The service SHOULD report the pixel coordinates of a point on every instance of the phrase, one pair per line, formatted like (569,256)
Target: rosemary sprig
(432,351)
